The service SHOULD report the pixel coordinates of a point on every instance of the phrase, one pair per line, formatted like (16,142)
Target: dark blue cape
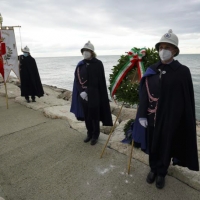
(98,102)
(76,106)
(139,132)
(175,130)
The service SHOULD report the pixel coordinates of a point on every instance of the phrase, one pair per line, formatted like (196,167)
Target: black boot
(87,139)
(27,99)
(93,141)
(160,182)
(33,98)
(151,177)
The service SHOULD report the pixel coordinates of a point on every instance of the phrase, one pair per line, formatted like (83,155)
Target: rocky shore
(56,105)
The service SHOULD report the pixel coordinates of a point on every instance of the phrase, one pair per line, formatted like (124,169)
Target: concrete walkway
(45,159)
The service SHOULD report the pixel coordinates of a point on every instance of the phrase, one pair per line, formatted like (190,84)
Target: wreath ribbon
(135,59)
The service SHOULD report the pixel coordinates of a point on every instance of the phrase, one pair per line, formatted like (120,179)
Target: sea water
(59,71)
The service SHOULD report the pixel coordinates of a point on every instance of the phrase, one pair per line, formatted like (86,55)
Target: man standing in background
(30,79)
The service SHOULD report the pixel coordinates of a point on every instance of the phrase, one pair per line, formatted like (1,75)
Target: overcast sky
(62,27)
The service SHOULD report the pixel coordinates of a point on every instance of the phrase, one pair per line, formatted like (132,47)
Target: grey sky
(62,27)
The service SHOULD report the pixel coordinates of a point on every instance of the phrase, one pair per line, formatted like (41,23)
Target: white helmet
(89,46)
(169,37)
(26,50)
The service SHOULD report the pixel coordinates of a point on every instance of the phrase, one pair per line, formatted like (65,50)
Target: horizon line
(102,55)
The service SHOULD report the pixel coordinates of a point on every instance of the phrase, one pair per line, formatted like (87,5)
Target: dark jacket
(175,125)
(29,76)
(98,102)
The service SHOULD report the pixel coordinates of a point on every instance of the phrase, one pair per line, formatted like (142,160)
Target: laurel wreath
(127,92)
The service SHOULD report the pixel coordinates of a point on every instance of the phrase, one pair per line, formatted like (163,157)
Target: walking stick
(111,131)
(129,165)
(6,94)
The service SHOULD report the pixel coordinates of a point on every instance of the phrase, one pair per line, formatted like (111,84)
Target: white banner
(10,59)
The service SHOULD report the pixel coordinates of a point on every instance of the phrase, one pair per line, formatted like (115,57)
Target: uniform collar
(173,65)
(83,62)
(90,61)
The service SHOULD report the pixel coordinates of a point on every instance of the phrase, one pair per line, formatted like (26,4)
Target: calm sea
(59,71)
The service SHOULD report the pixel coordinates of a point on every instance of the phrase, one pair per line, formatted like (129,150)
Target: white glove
(84,96)
(143,122)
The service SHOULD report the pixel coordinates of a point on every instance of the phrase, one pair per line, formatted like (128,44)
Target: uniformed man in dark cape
(29,76)
(90,98)
(165,125)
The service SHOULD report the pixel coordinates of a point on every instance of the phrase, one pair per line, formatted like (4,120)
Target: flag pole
(111,131)
(6,94)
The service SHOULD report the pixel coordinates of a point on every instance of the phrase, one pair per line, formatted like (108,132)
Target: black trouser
(155,159)
(32,97)
(93,126)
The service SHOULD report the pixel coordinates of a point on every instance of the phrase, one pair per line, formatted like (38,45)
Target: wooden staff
(111,131)
(129,165)
(6,94)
